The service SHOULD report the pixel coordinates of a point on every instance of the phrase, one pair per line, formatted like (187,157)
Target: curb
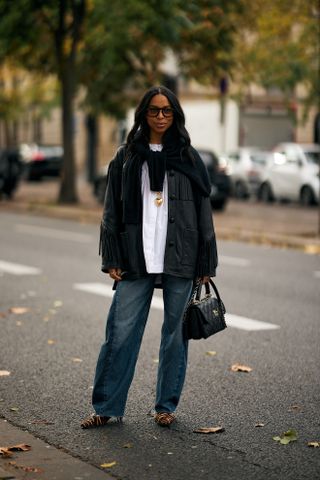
(46,461)
(309,245)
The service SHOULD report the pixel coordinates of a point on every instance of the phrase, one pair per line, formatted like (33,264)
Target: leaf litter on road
(19,310)
(313,444)
(209,430)
(4,373)
(287,437)
(211,353)
(237,367)
(108,465)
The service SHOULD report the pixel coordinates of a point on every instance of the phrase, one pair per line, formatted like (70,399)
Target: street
(273,304)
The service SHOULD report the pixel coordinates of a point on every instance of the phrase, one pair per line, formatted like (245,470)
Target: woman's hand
(115,273)
(204,279)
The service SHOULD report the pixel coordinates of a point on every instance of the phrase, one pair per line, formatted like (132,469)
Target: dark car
(219,178)
(10,171)
(41,160)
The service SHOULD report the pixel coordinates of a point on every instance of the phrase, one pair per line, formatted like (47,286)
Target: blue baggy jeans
(125,326)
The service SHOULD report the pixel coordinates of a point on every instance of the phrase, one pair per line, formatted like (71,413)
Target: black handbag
(204,316)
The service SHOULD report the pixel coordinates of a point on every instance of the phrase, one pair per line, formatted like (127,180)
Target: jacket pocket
(189,247)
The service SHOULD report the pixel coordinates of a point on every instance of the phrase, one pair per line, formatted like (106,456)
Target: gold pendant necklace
(158,200)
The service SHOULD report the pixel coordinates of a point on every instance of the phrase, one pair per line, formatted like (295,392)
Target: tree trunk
(68,190)
(92,134)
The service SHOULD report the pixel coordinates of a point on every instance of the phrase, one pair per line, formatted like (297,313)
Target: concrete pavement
(278,225)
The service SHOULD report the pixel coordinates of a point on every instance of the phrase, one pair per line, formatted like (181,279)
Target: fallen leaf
(14,409)
(7,451)
(259,424)
(3,314)
(127,445)
(240,368)
(209,430)
(287,437)
(155,360)
(314,444)
(77,360)
(295,408)
(108,465)
(18,310)
(4,373)
(211,353)
(57,303)
(51,342)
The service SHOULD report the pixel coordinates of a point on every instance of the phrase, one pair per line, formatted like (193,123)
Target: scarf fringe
(109,247)
(207,260)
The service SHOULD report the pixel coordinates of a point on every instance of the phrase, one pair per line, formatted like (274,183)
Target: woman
(156,230)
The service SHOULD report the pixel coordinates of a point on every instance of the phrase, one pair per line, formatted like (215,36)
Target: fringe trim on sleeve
(207,260)
(109,248)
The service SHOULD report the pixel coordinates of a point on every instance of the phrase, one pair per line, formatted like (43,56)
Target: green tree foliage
(206,46)
(278,46)
(124,44)
(45,36)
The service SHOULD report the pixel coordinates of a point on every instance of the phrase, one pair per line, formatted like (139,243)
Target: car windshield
(259,157)
(313,157)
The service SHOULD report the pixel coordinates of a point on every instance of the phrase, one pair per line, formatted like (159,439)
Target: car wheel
(307,197)
(265,193)
(240,190)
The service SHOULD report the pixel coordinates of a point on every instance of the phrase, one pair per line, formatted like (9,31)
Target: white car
(246,166)
(292,173)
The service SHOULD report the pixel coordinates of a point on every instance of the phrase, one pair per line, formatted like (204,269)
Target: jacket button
(171,219)
(171,243)
(171,173)
(172,197)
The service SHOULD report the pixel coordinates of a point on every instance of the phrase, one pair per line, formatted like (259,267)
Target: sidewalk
(42,461)
(279,225)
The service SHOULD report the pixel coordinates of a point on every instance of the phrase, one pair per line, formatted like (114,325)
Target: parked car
(219,177)
(246,166)
(292,173)
(218,174)
(41,160)
(10,171)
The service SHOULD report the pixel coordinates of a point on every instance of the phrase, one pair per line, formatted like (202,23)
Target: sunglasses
(154,111)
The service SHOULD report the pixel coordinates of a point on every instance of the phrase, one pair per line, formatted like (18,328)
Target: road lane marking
(234,261)
(54,233)
(106,291)
(18,269)
(248,324)
(233,321)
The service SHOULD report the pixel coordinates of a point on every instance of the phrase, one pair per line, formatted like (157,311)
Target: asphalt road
(51,351)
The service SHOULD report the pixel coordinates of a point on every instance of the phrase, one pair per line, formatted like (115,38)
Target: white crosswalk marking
(17,269)
(233,321)
(106,291)
(54,233)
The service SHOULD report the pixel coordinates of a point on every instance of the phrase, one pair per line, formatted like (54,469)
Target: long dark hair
(141,129)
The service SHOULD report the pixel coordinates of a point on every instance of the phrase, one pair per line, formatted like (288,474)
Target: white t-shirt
(154,220)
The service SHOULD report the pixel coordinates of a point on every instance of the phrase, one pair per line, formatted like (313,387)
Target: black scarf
(172,157)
